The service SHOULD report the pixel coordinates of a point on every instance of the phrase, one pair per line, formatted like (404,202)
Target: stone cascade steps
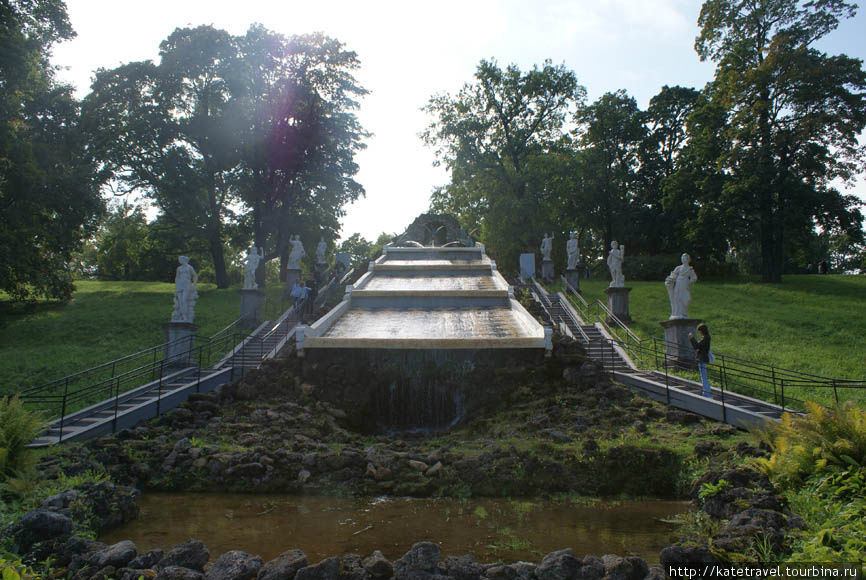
(726,406)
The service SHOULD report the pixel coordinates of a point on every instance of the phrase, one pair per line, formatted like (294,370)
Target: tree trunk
(217,253)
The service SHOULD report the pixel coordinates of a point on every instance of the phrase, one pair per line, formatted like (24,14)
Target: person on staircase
(702,356)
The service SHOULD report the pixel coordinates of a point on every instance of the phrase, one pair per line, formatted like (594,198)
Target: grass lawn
(102,322)
(812,324)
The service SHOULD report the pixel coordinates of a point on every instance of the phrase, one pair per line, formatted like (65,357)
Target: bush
(18,427)
(823,440)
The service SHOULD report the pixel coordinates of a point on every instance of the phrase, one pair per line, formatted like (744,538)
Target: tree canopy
(48,199)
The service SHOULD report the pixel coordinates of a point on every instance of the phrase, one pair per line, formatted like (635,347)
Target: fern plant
(18,427)
(823,439)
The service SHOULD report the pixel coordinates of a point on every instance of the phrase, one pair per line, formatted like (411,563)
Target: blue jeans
(702,368)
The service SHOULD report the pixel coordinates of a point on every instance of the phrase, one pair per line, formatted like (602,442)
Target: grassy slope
(812,324)
(104,321)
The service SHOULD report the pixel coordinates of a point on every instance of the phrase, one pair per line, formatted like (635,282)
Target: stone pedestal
(527,266)
(179,342)
(617,302)
(678,347)
(292,274)
(547,273)
(572,276)
(251,307)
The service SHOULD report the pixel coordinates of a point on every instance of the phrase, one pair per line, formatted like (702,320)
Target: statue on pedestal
(679,286)
(614,262)
(321,250)
(546,246)
(185,295)
(251,264)
(573,251)
(297,253)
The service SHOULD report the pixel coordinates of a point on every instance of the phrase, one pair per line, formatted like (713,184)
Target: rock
(284,566)
(192,554)
(618,568)
(418,465)
(178,573)
(235,565)
(500,572)
(556,435)
(685,554)
(436,468)
(117,555)
(148,560)
(421,557)
(681,417)
(253,469)
(558,565)
(525,570)
(352,569)
(303,476)
(378,566)
(591,568)
(38,526)
(463,568)
(134,574)
(61,500)
(708,448)
(327,569)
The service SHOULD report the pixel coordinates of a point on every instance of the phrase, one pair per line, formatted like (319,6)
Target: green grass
(102,322)
(811,324)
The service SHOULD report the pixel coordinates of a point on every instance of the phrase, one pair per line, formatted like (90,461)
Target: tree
(163,130)
(488,136)
(793,117)
(48,204)
(299,135)
(121,242)
(611,134)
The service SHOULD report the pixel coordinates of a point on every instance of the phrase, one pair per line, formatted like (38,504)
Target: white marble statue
(297,253)
(573,251)
(546,246)
(251,264)
(679,285)
(614,263)
(185,295)
(321,250)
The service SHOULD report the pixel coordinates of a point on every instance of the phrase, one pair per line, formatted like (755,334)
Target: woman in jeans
(702,355)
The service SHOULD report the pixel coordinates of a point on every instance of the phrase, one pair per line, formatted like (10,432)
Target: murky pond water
(489,529)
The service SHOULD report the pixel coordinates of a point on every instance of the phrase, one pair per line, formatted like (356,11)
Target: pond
(490,529)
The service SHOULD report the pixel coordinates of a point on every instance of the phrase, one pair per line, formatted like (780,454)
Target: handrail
(576,323)
(616,319)
(575,292)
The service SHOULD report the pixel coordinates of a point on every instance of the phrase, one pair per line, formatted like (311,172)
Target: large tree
(611,133)
(299,135)
(793,117)
(162,130)
(48,203)
(490,136)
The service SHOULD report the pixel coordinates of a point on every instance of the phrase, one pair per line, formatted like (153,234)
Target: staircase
(726,406)
(165,386)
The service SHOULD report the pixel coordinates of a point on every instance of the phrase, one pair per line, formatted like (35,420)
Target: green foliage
(793,115)
(18,427)
(49,199)
(823,440)
(710,489)
(494,136)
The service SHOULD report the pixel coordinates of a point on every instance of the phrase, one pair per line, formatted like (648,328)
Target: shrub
(18,427)
(822,440)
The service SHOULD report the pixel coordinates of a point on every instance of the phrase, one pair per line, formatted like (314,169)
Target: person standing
(702,356)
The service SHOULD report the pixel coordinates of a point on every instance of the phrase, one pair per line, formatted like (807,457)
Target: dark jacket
(702,348)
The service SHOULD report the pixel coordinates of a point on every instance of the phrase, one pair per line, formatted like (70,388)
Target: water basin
(489,529)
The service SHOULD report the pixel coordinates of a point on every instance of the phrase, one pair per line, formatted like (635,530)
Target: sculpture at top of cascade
(679,286)
(251,263)
(297,252)
(614,262)
(573,251)
(546,246)
(321,250)
(185,295)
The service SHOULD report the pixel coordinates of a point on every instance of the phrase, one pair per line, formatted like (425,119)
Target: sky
(410,51)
